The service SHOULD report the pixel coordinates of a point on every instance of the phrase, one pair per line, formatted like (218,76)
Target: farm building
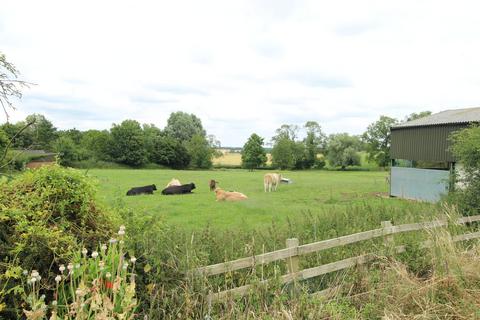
(422,165)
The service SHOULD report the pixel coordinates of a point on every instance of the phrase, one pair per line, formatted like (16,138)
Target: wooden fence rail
(293,251)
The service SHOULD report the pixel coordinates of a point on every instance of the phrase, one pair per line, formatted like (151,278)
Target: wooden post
(292,262)
(387,240)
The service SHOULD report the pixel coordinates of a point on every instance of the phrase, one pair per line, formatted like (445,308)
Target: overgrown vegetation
(45,215)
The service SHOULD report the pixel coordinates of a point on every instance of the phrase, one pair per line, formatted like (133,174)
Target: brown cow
(223,195)
(213,185)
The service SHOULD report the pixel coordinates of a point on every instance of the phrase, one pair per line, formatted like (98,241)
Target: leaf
(147,268)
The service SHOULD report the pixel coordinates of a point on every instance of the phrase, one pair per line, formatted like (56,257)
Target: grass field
(311,192)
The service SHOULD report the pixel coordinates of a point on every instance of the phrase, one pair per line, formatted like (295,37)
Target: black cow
(184,188)
(142,190)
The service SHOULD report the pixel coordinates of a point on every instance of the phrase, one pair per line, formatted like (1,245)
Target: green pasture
(312,192)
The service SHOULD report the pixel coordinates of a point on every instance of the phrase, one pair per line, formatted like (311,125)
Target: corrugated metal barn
(421,161)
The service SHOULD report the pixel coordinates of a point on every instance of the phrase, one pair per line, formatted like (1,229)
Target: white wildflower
(25,272)
(108,275)
(33,280)
(77,266)
(112,241)
(125,265)
(62,268)
(54,302)
(94,254)
(58,278)
(121,232)
(35,273)
(70,267)
(84,251)
(103,247)
(133,259)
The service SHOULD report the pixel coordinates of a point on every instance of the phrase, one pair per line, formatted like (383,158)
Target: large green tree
(128,145)
(377,140)
(283,153)
(42,131)
(253,153)
(183,126)
(342,150)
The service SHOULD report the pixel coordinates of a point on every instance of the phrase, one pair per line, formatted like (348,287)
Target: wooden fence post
(387,240)
(293,262)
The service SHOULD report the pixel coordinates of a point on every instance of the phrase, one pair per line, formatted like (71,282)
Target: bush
(45,214)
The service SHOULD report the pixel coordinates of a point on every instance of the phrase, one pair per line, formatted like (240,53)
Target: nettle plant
(94,285)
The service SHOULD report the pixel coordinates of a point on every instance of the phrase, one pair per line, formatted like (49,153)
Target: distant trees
(183,126)
(377,139)
(253,153)
(128,144)
(288,152)
(343,150)
(200,151)
(415,116)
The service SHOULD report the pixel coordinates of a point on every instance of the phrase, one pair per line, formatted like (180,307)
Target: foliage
(314,144)
(465,147)
(200,151)
(253,154)
(128,145)
(169,152)
(183,126)
(68,151)
(283,153)
(342,150)
(42,131)
(44,214)
(151,134)
(97,144)
(95,285)
(377,139)
(415,116)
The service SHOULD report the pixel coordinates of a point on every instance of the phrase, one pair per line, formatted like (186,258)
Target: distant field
(312,191)
(234,159)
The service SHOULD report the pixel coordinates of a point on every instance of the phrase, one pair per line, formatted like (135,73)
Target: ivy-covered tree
(253,153)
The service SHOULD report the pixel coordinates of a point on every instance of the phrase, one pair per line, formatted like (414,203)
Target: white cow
(271,181)
(173,182)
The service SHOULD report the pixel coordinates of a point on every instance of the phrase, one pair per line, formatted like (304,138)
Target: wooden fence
(293,251)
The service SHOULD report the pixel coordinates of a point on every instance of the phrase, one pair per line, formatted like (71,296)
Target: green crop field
(311,192)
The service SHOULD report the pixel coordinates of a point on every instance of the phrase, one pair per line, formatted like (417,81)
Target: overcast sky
(242,66)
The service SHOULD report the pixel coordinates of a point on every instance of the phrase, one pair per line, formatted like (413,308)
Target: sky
(242,66)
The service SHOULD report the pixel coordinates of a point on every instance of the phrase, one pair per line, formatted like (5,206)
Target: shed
(421,162)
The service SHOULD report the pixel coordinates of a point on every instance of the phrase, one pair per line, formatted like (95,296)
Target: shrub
(45,213)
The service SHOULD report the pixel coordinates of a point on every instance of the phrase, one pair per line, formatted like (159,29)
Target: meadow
(312,192)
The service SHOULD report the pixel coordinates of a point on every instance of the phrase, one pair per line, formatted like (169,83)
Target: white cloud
(242,67)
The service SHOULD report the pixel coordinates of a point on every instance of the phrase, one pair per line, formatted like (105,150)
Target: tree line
(339,149)
(182,143)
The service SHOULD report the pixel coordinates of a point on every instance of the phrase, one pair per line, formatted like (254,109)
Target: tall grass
(167,252)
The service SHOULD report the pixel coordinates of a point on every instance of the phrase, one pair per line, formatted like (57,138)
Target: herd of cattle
(270,183)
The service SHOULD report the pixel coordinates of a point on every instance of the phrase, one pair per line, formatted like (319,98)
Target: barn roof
(456,116)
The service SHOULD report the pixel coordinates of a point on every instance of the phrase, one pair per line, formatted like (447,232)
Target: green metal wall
(428,143)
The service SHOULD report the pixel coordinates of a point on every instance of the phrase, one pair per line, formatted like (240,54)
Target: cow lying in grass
(173,182)
(223,195)
(271,181)
(142,190)
(184,188)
